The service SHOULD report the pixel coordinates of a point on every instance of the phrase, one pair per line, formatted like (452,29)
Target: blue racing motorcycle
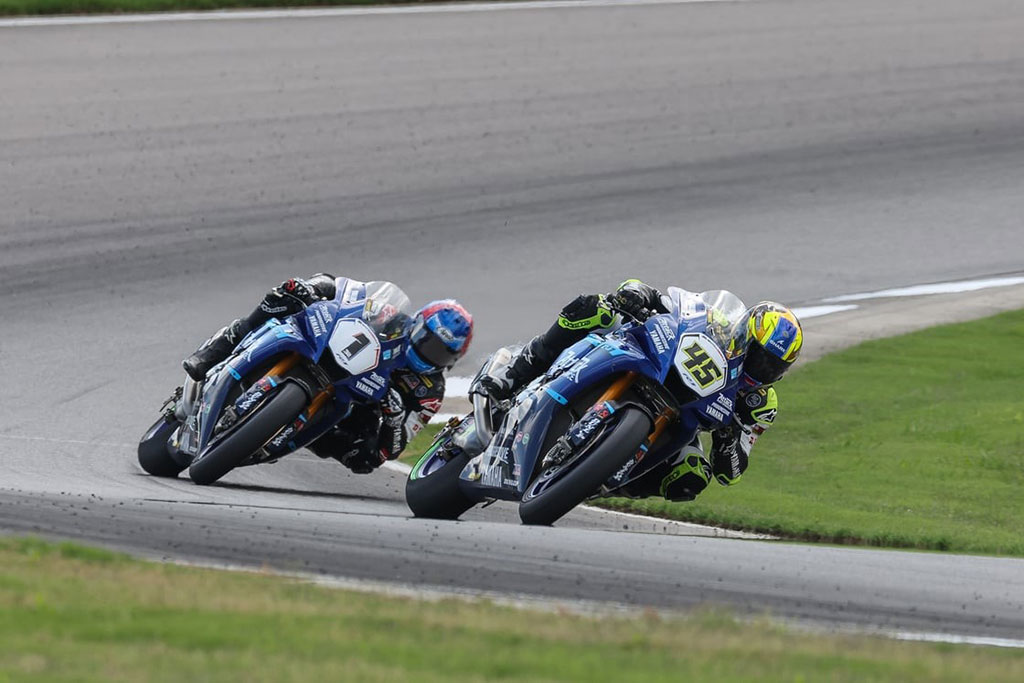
(286,384)
(608,410)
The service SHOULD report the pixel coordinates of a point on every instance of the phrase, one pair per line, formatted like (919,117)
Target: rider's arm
(731,445)
(323,285)
(634,296)
(411,403)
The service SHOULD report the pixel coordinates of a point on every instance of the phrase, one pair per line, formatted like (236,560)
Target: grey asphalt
(155,178)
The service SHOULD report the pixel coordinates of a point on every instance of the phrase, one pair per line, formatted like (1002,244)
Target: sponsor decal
(584,429)
(574,372)
(659,341)
(421,391)
(575,324)
(568,360)
(431,404)
(624,470)
(365,387)
(714,412)
(754,399)
(666,327)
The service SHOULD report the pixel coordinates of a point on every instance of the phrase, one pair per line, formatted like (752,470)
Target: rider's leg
(215,349)
(354,441)
(275,303)
(581,316)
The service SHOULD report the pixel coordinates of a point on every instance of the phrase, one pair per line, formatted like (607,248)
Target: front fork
(584,429)
(255,395)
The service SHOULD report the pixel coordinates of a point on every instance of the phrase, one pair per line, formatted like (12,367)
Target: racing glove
(636,299)
(291,296)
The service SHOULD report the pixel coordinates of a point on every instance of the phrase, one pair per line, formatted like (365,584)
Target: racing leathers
(683,476)
(370,434)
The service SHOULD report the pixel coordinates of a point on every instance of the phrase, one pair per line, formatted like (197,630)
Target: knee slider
(687,479)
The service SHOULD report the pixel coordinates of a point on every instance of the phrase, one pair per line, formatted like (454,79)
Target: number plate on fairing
(701,364)
(355,346)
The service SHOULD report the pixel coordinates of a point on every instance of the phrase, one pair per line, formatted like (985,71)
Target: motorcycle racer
(439,334)
(772,337)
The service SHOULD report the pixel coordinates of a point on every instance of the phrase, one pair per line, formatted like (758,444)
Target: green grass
(76,614)
(29,7)
(914,441)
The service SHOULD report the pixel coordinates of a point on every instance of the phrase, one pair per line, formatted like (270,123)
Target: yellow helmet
(774,339)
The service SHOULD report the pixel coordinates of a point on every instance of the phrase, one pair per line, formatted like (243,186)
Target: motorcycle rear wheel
(153,454)
(257,429)
(437,495)
(587,474)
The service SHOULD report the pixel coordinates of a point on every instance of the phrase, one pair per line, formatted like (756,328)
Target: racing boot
(214,350)
(516,375)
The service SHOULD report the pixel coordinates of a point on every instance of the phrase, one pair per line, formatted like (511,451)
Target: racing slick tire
(437,495)
(255,430)
(154,457)
(586,475)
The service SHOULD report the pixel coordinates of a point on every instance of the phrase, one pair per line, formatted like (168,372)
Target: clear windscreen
(387,308)
(727,317)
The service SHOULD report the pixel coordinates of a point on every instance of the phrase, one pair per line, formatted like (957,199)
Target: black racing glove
(300,290)
(630,302)
(290,297)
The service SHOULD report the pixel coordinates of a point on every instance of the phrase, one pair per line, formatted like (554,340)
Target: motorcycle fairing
(308,333)
(504,468)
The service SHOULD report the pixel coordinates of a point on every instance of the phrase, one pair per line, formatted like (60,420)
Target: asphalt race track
(155,178)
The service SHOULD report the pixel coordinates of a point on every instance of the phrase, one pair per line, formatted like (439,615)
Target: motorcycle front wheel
(256,429)
(556,491)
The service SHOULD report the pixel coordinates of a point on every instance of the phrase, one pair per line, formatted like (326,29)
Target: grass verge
(914,441)
(73,613)
(36,7)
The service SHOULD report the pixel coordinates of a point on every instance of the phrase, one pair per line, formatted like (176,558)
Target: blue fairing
(307,333)
(648,350)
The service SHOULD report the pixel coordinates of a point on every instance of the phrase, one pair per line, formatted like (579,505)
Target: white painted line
(955,639)
(805,312)
(308,13)
(934,288)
